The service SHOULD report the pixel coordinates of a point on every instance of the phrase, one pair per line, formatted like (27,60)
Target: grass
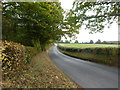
(99,53)
(101,59)
(77,45)
(33,51)
(41,73)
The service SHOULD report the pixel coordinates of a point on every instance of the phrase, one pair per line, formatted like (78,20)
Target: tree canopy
(43,22)
(98,42)
(76,41)
(94,15)
(91,42)
(28,22)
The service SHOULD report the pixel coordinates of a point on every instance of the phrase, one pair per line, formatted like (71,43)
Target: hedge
(98,51)
(14,57)
(107,55)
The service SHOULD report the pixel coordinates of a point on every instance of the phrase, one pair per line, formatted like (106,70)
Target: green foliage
(98,42)
(94,15)
(106,55)
(28,59)
(91,42)
(67,41)
(76,41)
(101,51)
(104,42)
(36,44)
(25,22)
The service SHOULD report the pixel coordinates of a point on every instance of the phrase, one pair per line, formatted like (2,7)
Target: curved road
(85,74)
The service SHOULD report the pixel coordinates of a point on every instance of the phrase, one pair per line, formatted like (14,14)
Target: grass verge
(40,73)
(101,59)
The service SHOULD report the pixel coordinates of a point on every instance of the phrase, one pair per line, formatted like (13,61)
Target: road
(84,73)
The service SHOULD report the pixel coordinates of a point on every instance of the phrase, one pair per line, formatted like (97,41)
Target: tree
(98,42)
(104,42)
(94,15)
(91,42)
(32,22)
(66,41)
(76,41)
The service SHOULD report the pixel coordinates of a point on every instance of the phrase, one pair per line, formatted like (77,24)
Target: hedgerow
(99,51)
(107,55)
(14,57)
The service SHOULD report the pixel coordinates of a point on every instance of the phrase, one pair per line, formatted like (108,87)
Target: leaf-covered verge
(38,72)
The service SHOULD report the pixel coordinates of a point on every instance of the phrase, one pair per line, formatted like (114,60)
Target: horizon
(109,34)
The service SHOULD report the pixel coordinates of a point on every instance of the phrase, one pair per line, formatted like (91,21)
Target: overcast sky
(109,34)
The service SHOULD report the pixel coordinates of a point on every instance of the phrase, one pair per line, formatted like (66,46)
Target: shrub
(13,56)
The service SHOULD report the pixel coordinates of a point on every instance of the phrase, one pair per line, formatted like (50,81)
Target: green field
(100,53)
(77,45)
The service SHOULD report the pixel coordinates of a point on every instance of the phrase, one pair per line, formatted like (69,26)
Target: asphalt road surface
(84,73)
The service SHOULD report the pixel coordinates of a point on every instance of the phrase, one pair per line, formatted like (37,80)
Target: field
(100,53)
(76,45)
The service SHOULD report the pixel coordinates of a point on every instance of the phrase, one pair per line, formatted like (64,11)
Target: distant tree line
(92,42)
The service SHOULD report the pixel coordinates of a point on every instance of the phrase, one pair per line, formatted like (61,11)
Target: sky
(109,34)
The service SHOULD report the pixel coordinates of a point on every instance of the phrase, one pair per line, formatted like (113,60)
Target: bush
(14,57)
